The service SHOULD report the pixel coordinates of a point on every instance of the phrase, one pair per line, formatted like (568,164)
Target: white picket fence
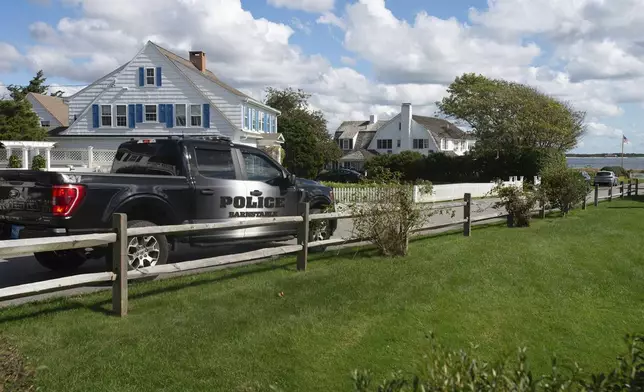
(68,159)
(444,192)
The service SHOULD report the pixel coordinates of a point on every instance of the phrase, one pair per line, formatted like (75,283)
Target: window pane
(195,121)
(106,110)
(180,115)
(121,110)
(121,121)
(152,159)
(215,163)
(258,168)
(150,71)
(150,112)
(195,110)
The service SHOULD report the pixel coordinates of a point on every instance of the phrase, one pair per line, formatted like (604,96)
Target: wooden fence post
(119,265)
(303,239)
(637,186)
(630,187)
(596,201)
(621,189)
(610,192)
(467,215)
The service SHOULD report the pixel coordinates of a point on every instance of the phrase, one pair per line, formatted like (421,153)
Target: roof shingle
(55,106)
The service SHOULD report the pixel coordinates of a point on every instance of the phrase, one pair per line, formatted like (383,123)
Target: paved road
(20,270)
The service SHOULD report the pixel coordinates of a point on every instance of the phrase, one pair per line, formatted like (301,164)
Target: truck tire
(62,260)
(143,251)
(319,231)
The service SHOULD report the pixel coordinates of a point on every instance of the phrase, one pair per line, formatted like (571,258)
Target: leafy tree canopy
(19,122)
(36,85)
(507,116)
(308,146)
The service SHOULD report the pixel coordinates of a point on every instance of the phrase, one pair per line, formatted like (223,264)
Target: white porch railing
(67,159)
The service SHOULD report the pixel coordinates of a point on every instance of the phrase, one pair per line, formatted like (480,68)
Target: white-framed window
(261,120)
(398,143)
(45,123)
(106,115)
(443,144)
(400,126)
(421,144)
(180,115)
(346,144)
(121,116)
(195,115)
(150,113)
(384,144)
(254,119)
(274,124)
(246,117)
(150,77)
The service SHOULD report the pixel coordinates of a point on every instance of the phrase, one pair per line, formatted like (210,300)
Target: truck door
(217,180)
(269,192)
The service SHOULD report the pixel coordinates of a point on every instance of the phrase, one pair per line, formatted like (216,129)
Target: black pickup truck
(160,182)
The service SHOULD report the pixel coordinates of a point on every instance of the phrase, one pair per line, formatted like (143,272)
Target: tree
(36,85)
(19,122)
(308,146)
(509,116)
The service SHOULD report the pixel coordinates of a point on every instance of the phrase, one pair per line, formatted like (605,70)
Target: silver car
(606,178)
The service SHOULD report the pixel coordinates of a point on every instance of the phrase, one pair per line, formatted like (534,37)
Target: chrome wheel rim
(320,231)
(143,251)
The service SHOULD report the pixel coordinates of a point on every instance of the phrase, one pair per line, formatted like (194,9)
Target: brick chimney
(198,59)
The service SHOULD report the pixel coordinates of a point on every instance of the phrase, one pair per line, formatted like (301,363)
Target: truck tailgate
(26,196)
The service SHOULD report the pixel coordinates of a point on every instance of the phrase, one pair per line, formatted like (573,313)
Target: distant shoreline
(606,155)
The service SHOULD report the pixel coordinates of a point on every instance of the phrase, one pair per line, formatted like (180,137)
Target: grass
(570,286)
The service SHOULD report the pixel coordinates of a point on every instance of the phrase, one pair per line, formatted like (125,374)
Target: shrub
(462,370)
(15,162)
(38,163)
(562,187)
(618,170)
(388,217)
(518,202)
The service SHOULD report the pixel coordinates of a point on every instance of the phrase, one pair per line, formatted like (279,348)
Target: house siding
(43,114)
(175,88)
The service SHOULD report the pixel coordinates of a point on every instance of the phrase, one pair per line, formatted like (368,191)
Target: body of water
(599,162)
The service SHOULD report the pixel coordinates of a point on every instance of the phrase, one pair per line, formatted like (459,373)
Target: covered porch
(26,151)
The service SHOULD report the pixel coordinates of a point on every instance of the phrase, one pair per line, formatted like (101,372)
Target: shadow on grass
(104,306)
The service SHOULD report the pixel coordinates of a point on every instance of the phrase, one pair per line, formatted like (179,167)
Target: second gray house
(361,140)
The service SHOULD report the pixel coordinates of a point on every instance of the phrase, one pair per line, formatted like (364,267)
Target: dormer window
(346,144)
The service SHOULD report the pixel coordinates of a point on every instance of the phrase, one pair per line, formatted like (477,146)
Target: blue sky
(355,57)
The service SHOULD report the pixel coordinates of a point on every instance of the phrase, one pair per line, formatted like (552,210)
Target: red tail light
(65,199)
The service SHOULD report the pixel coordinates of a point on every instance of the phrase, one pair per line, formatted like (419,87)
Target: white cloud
(330,18)
(9,57)
(315,6)
(305,27)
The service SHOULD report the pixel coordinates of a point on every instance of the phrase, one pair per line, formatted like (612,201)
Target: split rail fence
(118,241)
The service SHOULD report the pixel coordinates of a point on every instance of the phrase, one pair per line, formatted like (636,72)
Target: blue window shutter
(139,113)
(263,122)
(206,115)
(158,76)
(131,116)
(255,121)
(161,113)
(94,116)
(169,116)
(141,77)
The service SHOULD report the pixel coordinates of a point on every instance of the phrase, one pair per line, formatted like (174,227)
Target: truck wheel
(62,260)
(143,251)
(319,231)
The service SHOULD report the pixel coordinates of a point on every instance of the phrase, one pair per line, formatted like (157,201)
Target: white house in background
(160,94)
(52,111)
(360,140)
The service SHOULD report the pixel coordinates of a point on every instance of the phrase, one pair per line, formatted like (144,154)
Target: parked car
(606,178)
(340,175)
(160,182)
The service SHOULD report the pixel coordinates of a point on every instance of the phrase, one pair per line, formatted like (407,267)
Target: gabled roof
(358,155)
(207,74)
(54,105)
(440,128)
(348,129)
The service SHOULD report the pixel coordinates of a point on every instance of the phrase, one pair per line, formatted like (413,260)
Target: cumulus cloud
(315,6)
(9,57)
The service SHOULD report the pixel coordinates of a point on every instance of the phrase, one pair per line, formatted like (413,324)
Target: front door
(217,181)
(271,193)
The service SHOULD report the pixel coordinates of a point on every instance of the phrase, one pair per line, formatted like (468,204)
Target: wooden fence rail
(117,240)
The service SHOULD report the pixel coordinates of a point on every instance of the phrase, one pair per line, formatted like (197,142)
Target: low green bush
(562,187)
(518,202)
(460,371)
(38,163)
(15,162)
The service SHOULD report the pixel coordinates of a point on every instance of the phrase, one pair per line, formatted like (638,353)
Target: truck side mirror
(291,178)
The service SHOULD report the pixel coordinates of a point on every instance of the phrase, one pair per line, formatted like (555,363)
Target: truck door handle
(207,192)
(256,193)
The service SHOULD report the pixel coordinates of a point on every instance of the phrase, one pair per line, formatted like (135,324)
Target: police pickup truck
(160,182)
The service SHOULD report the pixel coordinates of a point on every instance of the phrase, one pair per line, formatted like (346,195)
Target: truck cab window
(147,158)
(215,163)
(259,168)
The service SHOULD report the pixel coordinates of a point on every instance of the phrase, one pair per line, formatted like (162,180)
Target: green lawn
(571,286)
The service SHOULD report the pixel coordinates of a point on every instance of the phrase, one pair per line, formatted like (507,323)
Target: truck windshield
(147,158)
